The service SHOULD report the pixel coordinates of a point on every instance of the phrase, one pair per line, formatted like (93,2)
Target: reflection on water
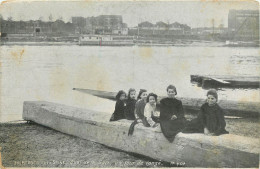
(50,72)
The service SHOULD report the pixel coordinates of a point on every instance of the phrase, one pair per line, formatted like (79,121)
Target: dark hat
(213,92)
(172,87)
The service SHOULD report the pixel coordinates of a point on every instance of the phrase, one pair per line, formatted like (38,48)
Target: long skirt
(170,128)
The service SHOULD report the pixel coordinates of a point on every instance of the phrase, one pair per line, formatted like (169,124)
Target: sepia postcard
(129,84)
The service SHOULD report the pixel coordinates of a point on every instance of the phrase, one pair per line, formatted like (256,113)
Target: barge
(106,40)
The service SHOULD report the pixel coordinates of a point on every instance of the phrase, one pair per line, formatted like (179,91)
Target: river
(50,72)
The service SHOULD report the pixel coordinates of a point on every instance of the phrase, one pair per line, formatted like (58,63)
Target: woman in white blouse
(150,109)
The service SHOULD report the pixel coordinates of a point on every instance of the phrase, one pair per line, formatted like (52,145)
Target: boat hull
(208,81)
(193,150)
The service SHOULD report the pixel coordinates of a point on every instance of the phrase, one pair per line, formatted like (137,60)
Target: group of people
(169,114)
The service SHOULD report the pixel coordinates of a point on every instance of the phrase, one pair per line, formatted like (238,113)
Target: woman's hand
(173,117)
(155,125)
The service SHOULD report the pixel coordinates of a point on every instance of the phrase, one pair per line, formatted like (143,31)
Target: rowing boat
(192,105)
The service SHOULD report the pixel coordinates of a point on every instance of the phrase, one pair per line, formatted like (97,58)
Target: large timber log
(195,150)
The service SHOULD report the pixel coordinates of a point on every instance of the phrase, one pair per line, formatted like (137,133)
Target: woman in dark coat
(172,119)
(211,119)
(130,105)
(119,112)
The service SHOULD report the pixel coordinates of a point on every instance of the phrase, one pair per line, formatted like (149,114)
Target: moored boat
(106,40)
(226,81)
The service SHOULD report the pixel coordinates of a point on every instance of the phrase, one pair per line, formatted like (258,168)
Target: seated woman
(139,108)
(211,119)
(119,112)
(150,112)
(172,119)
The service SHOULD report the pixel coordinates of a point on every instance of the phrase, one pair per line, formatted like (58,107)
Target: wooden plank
(195,150)
(219,80)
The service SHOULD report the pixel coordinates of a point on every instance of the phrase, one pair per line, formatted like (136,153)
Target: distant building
(209,31)
(79,23)
(109,21)
(106,24)
(243,24)
(37,27)
(122,31)
(146,25)
(25,27)
(161,28)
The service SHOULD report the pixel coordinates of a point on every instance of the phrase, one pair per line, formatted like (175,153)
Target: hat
(172,87)
(213,92)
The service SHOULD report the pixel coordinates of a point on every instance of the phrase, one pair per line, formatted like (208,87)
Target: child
(211,119)
(150,109)
(139,111)
(130,105)
(172,119)
(119,107)
(140,104)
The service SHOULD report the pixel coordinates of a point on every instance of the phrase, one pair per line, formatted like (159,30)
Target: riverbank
(43,43)
(143,43)
(33,145)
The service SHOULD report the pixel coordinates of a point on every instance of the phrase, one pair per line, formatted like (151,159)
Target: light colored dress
(149,111)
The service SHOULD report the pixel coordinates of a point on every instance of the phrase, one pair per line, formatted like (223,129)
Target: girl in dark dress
(130,105)
(140,104)
(211,119)
(119,112)
(172,119)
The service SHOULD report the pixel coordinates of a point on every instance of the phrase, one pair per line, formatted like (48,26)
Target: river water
(50,72)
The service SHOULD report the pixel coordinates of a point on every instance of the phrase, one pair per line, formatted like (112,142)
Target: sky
(193,13)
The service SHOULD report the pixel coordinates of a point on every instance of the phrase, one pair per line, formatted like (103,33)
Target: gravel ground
(32,145)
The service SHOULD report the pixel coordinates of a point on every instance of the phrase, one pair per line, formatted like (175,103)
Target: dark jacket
(139,108)
(119,112)
(130,109)
(168,108)
(211,117)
